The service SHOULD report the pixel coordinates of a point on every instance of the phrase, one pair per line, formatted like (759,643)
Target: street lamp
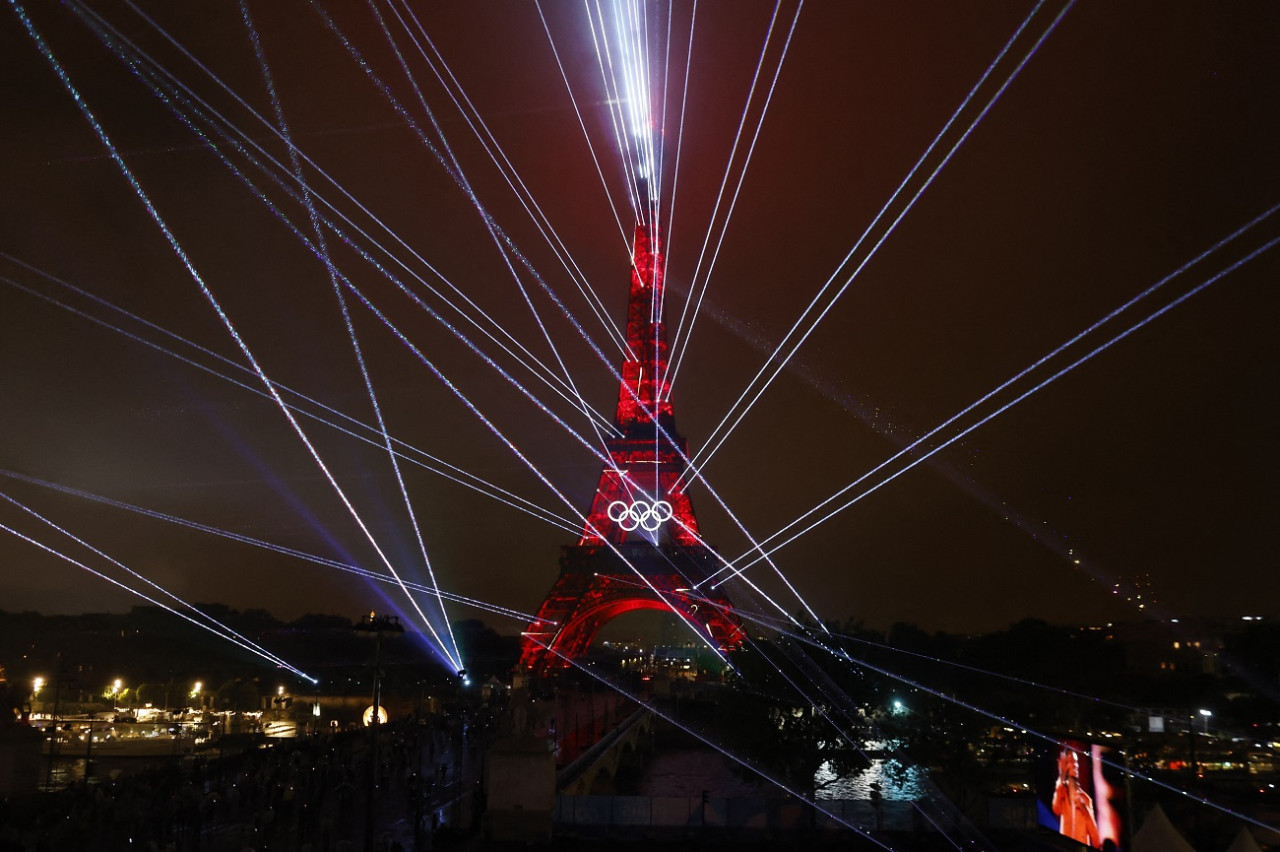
(1191,737)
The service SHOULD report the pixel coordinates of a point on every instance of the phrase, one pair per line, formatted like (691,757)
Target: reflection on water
(66,770)
(897,782)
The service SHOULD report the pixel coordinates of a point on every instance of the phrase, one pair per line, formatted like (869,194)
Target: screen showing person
(1079,791)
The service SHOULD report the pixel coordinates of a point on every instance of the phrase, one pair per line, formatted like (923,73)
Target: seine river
(897,783)
(687,773)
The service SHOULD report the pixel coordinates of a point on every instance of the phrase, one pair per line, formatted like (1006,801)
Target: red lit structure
(641,526)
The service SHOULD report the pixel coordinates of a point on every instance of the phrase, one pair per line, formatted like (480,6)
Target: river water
(688,773)
(897,783)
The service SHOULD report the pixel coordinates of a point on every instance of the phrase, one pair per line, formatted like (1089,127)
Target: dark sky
(1131,142)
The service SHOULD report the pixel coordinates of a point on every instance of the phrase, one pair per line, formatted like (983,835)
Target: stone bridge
(595,771)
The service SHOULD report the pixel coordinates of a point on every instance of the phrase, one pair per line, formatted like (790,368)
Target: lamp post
(1204,714)
(375,625)
(1191,736)
(88,751)
(52,727)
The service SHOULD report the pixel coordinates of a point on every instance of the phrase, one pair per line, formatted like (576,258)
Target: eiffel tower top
(644,392)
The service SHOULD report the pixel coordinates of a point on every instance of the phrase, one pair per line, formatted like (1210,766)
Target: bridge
(587,804)
(620,750)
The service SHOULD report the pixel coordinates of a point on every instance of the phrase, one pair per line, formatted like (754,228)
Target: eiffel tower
(640,547)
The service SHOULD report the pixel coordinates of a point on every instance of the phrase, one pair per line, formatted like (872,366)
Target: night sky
(1135,138)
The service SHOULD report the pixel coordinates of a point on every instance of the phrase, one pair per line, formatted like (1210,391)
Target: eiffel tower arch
(640,547)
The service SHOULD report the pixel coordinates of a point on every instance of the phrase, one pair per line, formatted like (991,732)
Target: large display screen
(1081,793)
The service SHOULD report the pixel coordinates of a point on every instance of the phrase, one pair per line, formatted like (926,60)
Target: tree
(151,693)
(484,651)
(238,695)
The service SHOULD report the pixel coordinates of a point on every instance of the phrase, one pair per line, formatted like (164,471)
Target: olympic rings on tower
(640,513)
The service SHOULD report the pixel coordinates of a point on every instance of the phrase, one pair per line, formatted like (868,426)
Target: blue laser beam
(455,657)
(181,254)
(400,335)
(450,472)
(467,342)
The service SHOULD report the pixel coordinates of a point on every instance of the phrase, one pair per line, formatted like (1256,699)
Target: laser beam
(455,656)
(720,433)
(172,240)
(1036,388)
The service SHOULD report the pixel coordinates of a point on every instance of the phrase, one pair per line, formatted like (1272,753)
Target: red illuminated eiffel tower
(641,525)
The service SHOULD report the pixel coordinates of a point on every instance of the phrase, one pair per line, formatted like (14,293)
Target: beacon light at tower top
(623,51)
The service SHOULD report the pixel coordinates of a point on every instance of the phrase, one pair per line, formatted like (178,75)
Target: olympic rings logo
(640,513)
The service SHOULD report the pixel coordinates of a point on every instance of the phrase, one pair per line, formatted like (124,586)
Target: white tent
(1244,842)
(1158,835)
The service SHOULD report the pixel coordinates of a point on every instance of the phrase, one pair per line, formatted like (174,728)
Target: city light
(36,686)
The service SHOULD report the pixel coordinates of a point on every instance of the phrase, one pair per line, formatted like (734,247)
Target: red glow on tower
(641,519)
(646,460)
(645,391)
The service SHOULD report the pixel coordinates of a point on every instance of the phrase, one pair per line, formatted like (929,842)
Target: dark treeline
(1232,667)
(158,655)
(1229,667)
